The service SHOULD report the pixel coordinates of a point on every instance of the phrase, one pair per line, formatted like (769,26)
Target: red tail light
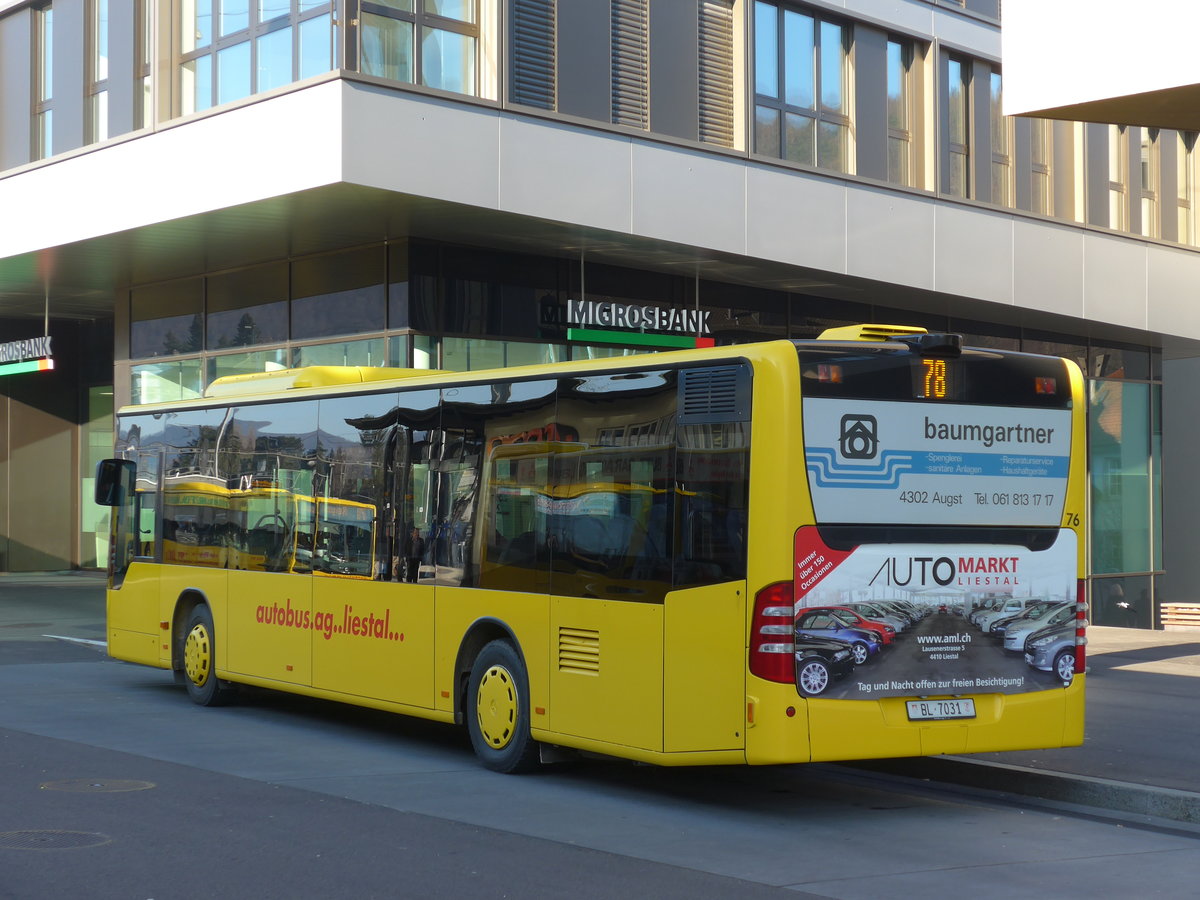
(772,634)
(1081,627)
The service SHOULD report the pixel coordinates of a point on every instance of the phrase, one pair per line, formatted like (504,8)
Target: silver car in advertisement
(1053,650)
(1017,630)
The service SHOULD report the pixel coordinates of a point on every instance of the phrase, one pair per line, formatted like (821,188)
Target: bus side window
(713,479)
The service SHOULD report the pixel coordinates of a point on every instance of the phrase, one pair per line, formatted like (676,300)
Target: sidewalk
(1143,717)
(1139,753)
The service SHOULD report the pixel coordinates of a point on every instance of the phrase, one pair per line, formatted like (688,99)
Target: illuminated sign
(29,355)
(935,378)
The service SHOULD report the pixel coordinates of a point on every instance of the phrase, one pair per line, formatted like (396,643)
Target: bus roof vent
(309,376)
(714,395)
(868,332)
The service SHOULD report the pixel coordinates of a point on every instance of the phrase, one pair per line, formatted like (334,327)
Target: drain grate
(97,785)
(51,840)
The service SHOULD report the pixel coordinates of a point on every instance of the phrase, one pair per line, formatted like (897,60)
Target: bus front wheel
(498,710)
(199,659)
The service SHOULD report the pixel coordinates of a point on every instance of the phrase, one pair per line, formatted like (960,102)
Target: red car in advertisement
(886,633)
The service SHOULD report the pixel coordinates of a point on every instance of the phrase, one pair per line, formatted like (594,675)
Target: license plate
(941,709)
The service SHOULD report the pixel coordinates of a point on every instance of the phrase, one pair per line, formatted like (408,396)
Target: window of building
(958,135)
(1002,168)
(899,111)
(368,352)
(338,294)
(231,49)
(247,308)
(1040,156)
(167,319)
(1117,168)
(97,71)
(143,115)
(1149,177)
(802,110)
(1185,186)
(43,82)
(429,42)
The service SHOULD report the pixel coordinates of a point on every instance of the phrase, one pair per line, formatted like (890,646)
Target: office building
(190,189)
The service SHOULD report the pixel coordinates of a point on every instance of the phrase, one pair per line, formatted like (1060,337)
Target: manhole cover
(51,840)
(97,785)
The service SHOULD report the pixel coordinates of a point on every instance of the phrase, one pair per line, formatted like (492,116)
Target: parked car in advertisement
(819,661)
(879,614)
(853,619)
(1017,631)
(822,624)
(1011,607)
(1052,649)
(1034,610)
(987,606)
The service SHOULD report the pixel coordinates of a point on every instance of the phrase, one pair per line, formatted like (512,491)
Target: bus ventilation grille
(714,395)
(579,650)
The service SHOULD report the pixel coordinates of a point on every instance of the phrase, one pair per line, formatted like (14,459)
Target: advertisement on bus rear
(873,462)
(915,620)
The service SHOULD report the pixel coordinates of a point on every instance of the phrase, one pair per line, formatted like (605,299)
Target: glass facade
(97,444)
(431,305)
(1125,450)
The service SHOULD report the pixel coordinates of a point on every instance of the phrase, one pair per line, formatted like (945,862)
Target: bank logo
(859,438)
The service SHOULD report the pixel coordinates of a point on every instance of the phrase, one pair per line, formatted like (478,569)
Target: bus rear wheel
(497,710)
(199,659)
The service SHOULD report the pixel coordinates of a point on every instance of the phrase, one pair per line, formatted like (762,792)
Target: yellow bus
(755,554)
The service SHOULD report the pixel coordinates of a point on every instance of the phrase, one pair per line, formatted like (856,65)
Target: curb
(1081,790)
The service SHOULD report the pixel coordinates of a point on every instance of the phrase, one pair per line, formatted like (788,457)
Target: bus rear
(943,495)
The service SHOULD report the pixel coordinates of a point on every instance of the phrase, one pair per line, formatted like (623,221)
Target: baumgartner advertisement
(941,600)
(873,462)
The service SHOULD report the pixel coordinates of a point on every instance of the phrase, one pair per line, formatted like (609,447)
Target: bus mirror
(114,481)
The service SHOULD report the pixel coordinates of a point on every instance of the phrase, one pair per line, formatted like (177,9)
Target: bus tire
(862,653)
(497,710)
(813,676)
(200,658)
(1064,665)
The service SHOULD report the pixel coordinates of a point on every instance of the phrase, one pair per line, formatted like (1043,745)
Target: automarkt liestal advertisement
(941,599)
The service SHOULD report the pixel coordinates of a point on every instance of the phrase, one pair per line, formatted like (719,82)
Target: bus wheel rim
(496,707)
(197,655)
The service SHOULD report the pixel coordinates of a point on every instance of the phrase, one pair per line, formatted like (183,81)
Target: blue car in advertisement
(823,624)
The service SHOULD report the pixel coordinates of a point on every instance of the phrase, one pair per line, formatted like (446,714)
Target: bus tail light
(1080,627)
(772,634)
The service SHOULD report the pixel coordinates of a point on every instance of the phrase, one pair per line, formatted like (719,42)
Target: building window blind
(534,31)
(716,72)
(630,27)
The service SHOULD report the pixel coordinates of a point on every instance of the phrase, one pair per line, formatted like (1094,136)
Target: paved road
(282,796)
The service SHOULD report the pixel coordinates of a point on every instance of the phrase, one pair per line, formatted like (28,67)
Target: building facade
(190,189)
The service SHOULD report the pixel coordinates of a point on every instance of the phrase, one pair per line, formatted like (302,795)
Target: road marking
(84,641)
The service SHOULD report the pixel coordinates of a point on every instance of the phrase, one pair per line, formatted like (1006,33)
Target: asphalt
(1138,756)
